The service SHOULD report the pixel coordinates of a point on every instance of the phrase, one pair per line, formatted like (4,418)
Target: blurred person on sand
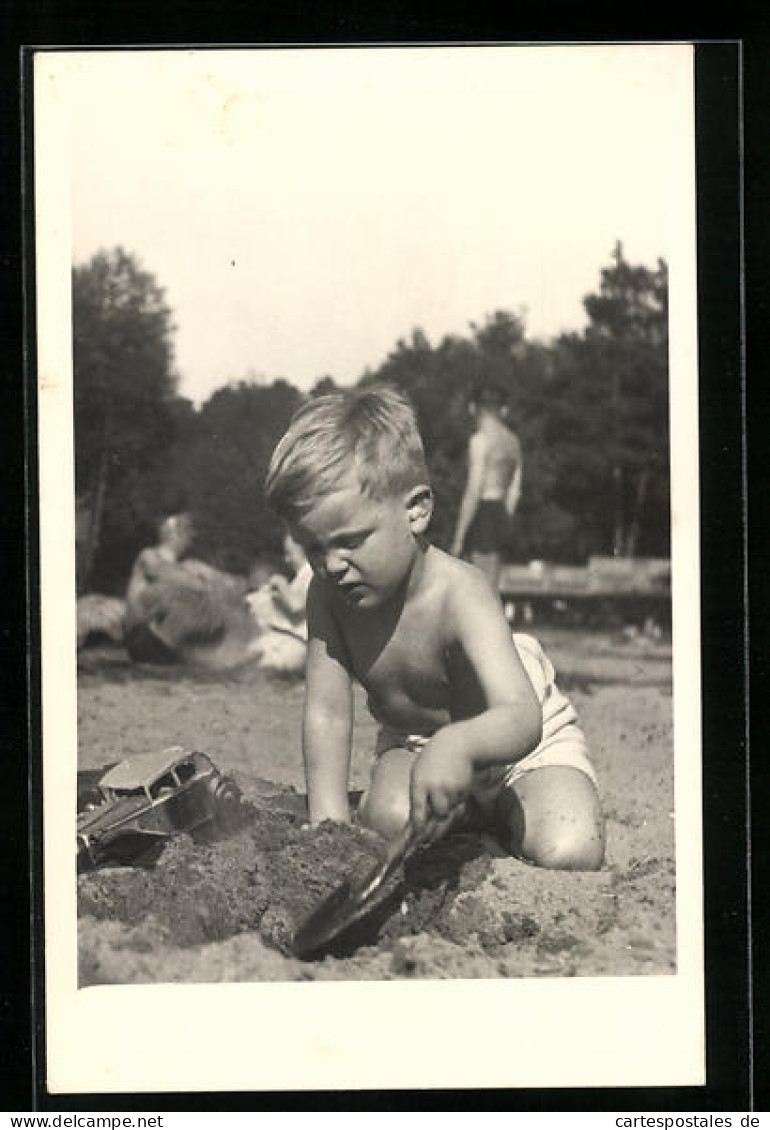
(278,609)
(175,604)
(493,485)
(472,726)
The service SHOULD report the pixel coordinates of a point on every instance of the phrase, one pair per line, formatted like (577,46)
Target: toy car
(142,802)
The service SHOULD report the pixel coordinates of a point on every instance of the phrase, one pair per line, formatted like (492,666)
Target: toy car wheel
(85,861)
(89,799)
(227,804)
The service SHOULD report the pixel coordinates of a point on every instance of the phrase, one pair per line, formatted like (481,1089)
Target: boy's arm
(509,728)
(328,715)
(472,494)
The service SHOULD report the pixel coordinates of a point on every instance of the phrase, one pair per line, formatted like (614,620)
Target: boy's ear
(419,507)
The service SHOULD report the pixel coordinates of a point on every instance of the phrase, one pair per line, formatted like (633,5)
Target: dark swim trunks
(144,646)
(488,528)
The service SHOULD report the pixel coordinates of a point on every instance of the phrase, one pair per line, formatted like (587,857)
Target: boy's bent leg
(385,805)
(552,817)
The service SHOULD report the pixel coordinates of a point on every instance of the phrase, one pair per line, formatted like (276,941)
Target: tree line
(590,408)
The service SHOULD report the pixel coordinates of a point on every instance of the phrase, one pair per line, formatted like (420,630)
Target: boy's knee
(581,850)
(383,813)
(554,819)
(385,805)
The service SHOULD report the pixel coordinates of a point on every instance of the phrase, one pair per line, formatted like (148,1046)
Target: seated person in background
(259,575)
(290,596)
(145,637)
(99,615)
(278,608)
(173,602)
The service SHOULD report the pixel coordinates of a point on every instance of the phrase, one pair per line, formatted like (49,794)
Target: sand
(226,911)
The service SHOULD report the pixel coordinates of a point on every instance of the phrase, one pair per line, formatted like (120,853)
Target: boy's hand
(441,778)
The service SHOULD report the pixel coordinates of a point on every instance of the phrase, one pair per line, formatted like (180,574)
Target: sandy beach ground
(226,911)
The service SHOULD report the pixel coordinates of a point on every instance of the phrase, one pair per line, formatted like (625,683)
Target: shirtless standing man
(493,487)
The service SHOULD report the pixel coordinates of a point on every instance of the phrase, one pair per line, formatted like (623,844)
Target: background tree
(608,423)
(221,467)
(123,384)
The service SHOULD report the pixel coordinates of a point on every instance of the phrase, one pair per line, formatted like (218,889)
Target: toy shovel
(350,902)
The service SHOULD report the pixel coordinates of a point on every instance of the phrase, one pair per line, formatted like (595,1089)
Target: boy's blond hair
(372,431)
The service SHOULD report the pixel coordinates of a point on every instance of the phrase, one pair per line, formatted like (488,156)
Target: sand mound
(227,911)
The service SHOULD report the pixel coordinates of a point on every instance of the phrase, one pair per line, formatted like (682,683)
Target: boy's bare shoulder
(462,582)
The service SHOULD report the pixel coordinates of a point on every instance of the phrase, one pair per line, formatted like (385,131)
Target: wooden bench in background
(607,587)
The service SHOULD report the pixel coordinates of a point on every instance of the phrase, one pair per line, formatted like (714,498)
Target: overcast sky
(305,209)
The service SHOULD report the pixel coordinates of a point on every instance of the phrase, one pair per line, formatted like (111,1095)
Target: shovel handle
(397,851)
(405,843)
(406,839)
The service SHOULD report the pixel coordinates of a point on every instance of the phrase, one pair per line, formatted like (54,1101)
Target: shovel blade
(327,921)
(347,904)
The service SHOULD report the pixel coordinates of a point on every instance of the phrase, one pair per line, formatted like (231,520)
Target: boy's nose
(334,565)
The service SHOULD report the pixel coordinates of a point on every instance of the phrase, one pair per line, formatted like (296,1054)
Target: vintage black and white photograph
(368,408)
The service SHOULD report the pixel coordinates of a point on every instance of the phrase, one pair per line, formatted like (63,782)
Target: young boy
(471,721)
